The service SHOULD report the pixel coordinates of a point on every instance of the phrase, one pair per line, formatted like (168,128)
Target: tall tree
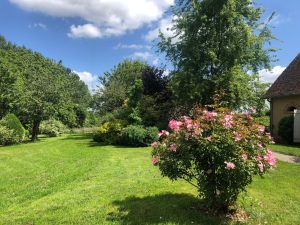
(217,43)
(115,85)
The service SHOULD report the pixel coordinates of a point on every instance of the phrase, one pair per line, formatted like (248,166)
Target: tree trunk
(35,130)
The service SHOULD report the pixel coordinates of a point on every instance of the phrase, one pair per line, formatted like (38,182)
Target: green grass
(71,180)
(285,149)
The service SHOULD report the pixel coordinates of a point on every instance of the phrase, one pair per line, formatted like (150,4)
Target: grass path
(285,149)
(287,158)
(71,180)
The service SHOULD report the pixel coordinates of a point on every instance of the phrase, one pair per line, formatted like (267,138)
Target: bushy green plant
(217,151)
(12,122)
(7,136)
(286,129)
(109,132)
(137,135)
(53,128)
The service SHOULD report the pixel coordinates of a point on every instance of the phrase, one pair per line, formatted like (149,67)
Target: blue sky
(90,37)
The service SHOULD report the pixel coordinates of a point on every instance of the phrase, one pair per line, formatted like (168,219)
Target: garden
(190,145)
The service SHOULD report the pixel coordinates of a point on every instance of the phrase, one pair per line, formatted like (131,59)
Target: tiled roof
(288,83)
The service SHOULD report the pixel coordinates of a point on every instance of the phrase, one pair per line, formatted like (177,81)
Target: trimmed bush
(7,136)
(109,132)
(53,128)
(11,122)
(138,136)
(286,129)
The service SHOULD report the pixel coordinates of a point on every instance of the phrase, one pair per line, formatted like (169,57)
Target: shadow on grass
(92,143)
(180,209)
(97,144)
(78,137)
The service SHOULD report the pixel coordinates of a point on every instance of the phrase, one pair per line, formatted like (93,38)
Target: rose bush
(217,151)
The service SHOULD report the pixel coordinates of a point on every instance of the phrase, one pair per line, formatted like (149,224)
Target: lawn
(285,149)
(71,180)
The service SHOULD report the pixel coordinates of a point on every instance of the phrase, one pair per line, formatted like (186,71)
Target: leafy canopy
(217,45)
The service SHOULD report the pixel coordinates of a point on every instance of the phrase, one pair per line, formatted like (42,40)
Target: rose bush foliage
(217,151)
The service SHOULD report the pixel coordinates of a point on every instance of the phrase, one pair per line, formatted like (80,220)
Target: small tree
(217,151)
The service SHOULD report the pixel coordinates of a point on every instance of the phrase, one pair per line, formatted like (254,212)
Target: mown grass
(286,149)
(71,180)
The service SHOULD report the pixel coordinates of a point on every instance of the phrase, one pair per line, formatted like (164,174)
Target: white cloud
(164,26)
(271,76)
(132,46)
(112,17)
(88,78)
(141,55)
(84,31)
(38,25)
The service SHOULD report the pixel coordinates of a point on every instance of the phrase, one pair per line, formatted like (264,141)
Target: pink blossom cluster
(189,124)
(229,165)
(173,147)
(155,160)
(154,144)
(228,121)
(269,159)
(237,136)
(210,116)
(260,128)
(175,125)
(163,133)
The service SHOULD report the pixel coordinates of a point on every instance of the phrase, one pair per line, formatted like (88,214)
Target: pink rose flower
(229,165)
(269,158)
(163,133)
(175,125)
(261,128)
(237,136)
(269,151)
(228,121)
(189,126)
(261,167)
(258,158)
(155,161)
(154,144)
(173,147)
(187,120)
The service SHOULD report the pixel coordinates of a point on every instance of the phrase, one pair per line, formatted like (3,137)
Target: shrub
(263,120)
(286,129)
(7,136)
(109,132)
(12,122)
(217,151)
(53,128)
(138,136)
